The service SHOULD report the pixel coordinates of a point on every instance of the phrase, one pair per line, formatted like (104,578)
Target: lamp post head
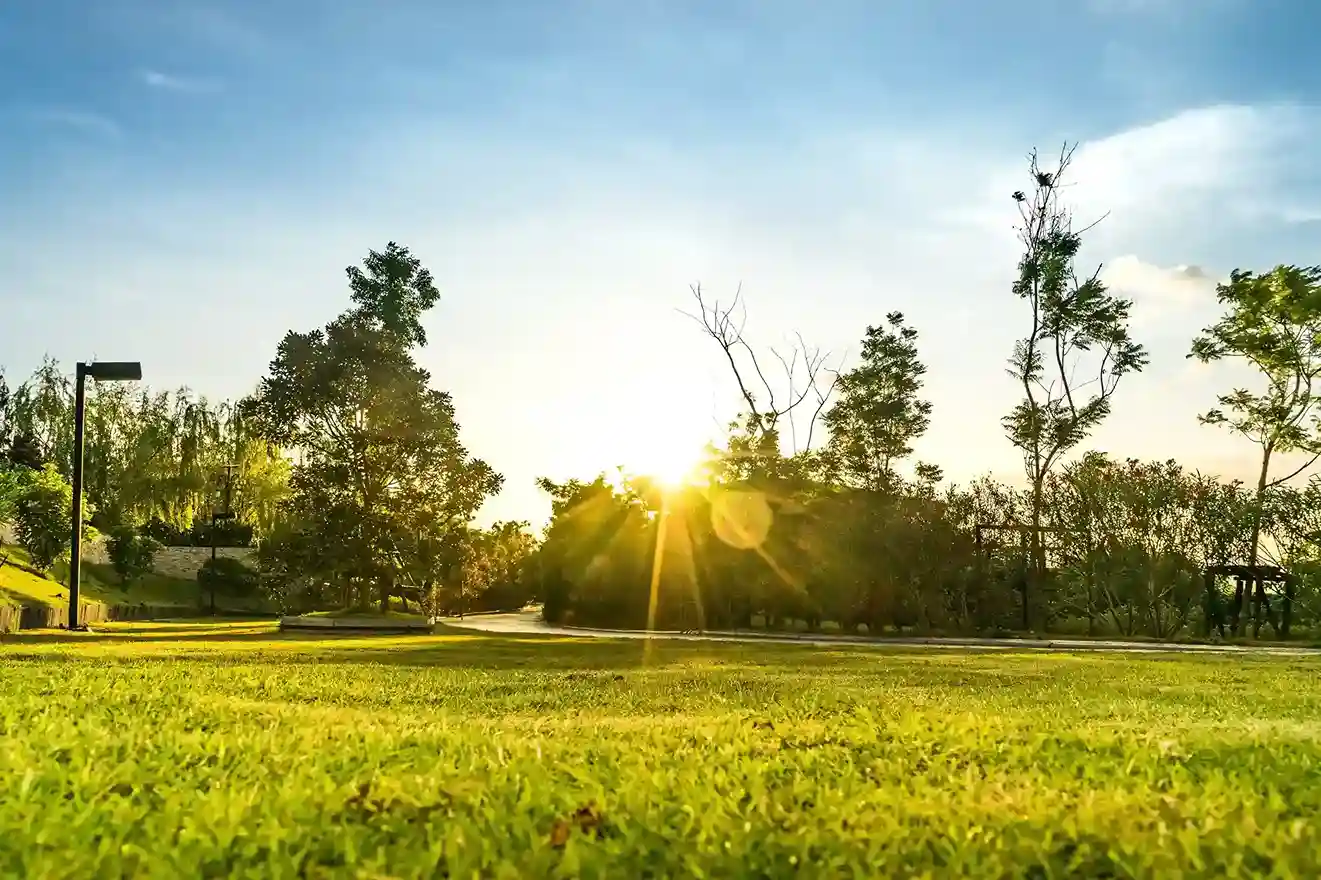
(112,371)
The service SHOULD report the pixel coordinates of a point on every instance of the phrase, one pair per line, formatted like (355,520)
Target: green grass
(99,583)
(173,750)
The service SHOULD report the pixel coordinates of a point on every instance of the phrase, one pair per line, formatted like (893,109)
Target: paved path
(530,623)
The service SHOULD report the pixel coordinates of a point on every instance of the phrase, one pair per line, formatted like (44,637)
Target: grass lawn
(190,750)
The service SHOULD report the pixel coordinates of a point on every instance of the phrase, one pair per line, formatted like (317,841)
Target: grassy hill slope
(19,586)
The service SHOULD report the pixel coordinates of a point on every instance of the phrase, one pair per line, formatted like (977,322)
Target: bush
(797,626)
(229,576)
(42,515)
(13,484)
(163,533)
(830,627)
(229,533)
(864,629)
(131,555)
(758,621)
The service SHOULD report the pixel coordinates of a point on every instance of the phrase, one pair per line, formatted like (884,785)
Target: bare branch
(719,323)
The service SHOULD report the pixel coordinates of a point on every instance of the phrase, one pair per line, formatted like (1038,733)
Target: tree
(878,413)
(380,470)
(5,427)
(1136,537)
(1273,323)
(758,426)
(132,555)
(13,483)
(41,418)
(44,511)
(1077,327)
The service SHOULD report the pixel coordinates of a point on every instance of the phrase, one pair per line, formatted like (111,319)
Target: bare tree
(804,368)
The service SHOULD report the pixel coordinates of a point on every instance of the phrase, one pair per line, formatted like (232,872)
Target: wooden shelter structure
(1250,588)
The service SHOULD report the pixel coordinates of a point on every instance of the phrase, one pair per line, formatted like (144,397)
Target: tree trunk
(1035,574)
(1254,585)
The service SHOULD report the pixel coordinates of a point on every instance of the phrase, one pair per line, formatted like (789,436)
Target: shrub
(797,625)
(830,627)
(131,554)
(758,621)
(229,533)
(42,515)
(162,532)
(13,484)
(228,575)
(864,629)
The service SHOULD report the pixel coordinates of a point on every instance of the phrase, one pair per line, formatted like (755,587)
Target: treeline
(1126,546)
(155,461)
(854,535)
(346,468)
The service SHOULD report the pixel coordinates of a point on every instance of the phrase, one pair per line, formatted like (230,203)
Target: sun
(674,466)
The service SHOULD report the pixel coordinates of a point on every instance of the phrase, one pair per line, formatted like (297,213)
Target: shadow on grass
(445,649)
(254,642)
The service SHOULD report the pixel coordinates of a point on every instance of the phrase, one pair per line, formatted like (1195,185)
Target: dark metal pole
(213,563)
(76,532)
(227,516)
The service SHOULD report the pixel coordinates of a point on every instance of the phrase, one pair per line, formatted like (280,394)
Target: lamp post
(104,371)
(216,515)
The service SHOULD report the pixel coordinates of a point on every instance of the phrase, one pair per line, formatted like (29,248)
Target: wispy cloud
(827,235)
(80,119)
(172,83)
(1160,293)
(1158,7)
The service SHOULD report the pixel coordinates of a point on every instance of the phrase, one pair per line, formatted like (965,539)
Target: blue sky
(184,182)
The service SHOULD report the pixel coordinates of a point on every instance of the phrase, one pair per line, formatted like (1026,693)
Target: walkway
(530,623)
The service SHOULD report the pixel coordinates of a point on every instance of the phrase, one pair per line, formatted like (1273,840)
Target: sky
(184,182)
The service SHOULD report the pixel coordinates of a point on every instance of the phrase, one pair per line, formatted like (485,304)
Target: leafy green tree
(132,555)
(43,514)
(1135,536)
(381,471)
(877,413)
(41,416)
(149,457)
(6,429)
(1292,525)
(1078,346)
(1272,323)
(13,482)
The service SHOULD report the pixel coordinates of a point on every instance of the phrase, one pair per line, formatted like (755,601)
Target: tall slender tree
(1077,347)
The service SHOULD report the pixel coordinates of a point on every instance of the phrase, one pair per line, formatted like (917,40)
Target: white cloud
(1159,293)
(168,82)
(81,119)
(1159,7)
(560,270)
